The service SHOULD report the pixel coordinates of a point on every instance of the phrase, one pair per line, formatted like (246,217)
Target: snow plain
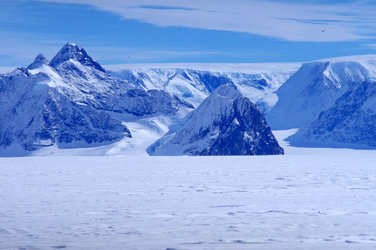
(306,199)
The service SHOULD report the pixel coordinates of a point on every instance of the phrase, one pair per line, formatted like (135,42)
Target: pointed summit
(72,51)
(38,62)
(225,123)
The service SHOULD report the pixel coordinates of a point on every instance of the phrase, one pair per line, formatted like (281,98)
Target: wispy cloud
(371,46)
(132,55)
(15,49)
(284,20)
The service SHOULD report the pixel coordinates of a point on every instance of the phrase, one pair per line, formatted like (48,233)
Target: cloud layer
(283,20)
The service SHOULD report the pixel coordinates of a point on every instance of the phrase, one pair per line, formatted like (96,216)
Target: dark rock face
(350,122)
(245,132)
(226,123)
(72,51)
(38,62)
(211,81)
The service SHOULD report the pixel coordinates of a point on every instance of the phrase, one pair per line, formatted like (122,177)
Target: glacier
(307,199)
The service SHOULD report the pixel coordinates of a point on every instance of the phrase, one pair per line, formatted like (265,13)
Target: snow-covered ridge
(71,102)
(316,86)
(194,82)
(250,68)
(355,58)
(332,102)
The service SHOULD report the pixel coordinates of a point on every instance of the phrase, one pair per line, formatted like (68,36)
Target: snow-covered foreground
(307,199)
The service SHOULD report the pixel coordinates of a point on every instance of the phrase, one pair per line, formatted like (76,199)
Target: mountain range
(72,102)
(69,102)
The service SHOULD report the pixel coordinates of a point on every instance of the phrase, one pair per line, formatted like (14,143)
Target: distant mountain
(350,122)
(39,61)
(72,101)
(332,102)
(194,82)
(313,88)
(226,123)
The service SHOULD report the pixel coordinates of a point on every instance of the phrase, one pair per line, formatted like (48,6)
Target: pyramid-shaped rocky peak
(72,51)
(38,62)
(226,123)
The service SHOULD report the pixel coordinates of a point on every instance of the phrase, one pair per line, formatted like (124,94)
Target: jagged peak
(38,62)
(72,51)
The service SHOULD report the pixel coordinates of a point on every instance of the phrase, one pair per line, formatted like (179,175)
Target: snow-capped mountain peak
(225,123)
(39,61)
(76,53)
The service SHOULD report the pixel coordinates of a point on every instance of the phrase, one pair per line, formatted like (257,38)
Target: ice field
(306,199)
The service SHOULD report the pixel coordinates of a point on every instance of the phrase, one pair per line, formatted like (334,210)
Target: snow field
(297,201)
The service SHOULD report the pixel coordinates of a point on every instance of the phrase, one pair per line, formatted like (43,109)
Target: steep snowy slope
(34,115)
(350,122)
(88,83)
(313,88)
(226,123)
(72,102)
(194,82)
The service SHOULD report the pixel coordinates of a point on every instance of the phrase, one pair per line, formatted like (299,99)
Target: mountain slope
(72,102)
(35,115)
(226,123)
(313,88)
(350,122)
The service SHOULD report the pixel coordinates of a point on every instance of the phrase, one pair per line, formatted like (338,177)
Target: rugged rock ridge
(74,52)
(71,102)
(226,123)
(193,86)
(34,115)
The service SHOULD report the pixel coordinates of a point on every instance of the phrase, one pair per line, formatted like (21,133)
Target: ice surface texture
(309,201)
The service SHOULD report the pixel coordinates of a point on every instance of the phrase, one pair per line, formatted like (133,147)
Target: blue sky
(152,31)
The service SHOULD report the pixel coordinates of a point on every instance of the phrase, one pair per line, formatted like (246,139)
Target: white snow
(250,68)
(178,79)
(307,199)
(145,131)
(54,81)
